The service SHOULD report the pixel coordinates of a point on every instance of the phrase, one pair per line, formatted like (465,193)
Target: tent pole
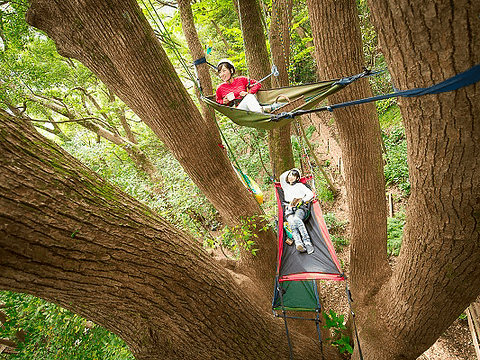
(349,298)
(317,317)
(285,320)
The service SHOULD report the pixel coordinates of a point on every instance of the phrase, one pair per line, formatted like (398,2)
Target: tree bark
(339,51)
(437,274)
(119,46)
(256,52)
(71,238)
(281,154)
(203,71)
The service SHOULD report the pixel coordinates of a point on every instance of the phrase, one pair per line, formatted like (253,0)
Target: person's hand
(243,93)
(296,202)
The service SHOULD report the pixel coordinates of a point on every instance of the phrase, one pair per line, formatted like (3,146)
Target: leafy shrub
(335,323)
(243,234)
(396,167)
(395,233)
(52,332)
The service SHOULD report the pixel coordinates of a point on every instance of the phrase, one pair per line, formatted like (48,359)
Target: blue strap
(466,78)
(469,77)
(200,61)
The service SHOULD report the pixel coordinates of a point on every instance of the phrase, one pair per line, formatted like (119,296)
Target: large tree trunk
(119,46)
(281,154)
(197,52)
(280,148)
(437,274)
(338,48)
(256,52)
(71,238)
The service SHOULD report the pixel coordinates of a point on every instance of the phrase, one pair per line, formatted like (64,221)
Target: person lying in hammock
(297,195)
(236,91)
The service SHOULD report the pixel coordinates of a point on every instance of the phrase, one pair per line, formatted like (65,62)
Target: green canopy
(296,295)
(304,97)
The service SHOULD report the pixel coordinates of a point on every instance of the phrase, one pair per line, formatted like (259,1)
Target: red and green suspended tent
(297,273)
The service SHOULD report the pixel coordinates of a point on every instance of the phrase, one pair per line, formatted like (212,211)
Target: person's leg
(250,103)
(300,215)
(294,222)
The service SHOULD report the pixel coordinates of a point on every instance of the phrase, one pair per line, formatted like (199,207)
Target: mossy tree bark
(119,46)
(71,238)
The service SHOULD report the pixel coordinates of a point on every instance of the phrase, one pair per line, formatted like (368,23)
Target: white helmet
(227,61)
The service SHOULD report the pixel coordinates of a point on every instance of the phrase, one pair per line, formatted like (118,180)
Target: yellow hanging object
(251,185)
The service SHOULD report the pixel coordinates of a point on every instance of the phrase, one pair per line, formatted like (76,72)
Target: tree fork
(69,237)
(119,46)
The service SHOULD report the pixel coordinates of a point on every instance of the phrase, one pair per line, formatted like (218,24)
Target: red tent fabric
(292,265)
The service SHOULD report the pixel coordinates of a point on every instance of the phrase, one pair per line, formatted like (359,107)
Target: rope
(302,147)
(234,159)
(317,317)
(243,37)
(171,43)
(469,77)
(329,181)
(349,298)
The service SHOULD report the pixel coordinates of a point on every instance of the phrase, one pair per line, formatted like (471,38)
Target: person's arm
(219,96)
(254,86)
(283,179)
(308,194)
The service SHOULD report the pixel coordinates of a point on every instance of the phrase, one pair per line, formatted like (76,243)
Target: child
(236,91)
(296,195)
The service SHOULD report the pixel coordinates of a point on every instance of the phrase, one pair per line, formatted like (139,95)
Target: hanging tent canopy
(295,283)
(304,97)
(323,264)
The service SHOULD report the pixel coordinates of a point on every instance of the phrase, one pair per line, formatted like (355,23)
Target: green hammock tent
(302,97)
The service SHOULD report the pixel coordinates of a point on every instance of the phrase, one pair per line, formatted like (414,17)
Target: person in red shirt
(236,91)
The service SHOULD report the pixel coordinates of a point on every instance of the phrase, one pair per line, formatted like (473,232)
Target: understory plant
(335,323)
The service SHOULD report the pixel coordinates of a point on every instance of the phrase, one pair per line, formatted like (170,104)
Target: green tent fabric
(312,94)
(296,295)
